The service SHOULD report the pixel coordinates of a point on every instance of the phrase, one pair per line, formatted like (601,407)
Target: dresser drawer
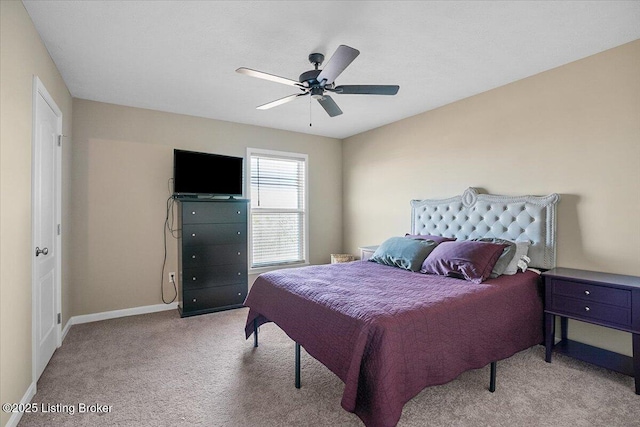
(213,234)
(588,292)
(213,212)
(208,256)
(591,311)
(206,298)
(221,275)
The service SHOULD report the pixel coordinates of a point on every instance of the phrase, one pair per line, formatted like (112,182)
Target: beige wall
(22,56)
(573,130)
(122,160)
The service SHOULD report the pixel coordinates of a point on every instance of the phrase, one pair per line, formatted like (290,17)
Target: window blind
(278,211)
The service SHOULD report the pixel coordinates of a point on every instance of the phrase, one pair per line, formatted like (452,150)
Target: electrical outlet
(172,277)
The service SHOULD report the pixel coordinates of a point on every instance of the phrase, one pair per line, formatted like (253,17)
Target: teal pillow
(404,253)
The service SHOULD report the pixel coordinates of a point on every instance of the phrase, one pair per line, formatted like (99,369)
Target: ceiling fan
(316,82)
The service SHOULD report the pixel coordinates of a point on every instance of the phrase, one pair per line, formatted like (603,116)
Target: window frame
(283,155)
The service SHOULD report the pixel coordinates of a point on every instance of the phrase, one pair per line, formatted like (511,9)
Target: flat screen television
(206,174)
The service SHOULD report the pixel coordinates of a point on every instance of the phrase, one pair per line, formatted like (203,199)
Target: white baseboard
(16,416)
(66,328)
(114,314)
(106,315)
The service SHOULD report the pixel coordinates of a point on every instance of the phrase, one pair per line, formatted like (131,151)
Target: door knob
(43,251)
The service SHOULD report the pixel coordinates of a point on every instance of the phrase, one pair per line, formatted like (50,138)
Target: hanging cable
(168,225)
(164,261)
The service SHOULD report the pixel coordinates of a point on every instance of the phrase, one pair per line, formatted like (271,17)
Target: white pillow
(522,249)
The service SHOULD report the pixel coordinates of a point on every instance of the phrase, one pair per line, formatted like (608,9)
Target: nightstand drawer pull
(587,308)
(193,234)
(587,292)
(193,257)
(194,278)
(193,213)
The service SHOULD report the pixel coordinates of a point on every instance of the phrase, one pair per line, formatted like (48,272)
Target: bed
(388,333)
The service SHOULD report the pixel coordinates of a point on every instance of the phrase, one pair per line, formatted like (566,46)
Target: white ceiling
(181,57)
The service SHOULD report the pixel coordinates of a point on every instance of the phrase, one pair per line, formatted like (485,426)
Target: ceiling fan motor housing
(309,77)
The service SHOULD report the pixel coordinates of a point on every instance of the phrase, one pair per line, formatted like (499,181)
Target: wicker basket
(336,258)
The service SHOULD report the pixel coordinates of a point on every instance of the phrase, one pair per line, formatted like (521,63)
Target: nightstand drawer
(591,310)
(588,292)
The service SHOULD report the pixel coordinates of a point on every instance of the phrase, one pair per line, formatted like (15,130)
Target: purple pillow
(437,239)
(463,259)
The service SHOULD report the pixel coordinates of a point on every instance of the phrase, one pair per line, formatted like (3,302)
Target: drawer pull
(587,293)
(194,278)
(587,308)
(238,212)
(238,253)
(193,257)
(238,233)
(239,274)
(194,300)
(193,213)
(193,234)
(239,294)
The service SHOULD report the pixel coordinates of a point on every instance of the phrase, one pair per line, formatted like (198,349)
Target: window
(278,189)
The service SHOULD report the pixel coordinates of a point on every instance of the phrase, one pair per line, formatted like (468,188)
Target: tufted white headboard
(473,215)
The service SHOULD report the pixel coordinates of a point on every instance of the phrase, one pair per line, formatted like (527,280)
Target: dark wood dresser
(212,255)
(610,300)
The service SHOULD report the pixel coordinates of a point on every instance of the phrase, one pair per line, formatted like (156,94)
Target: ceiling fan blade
(266,76)
(367,89)
(330,106)
(280,101)
(340,60)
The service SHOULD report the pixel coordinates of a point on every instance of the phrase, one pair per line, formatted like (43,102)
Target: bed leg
(492,379)
(255,332)
(297,365)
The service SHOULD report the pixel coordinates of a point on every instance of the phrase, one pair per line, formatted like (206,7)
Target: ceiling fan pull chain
(309,111)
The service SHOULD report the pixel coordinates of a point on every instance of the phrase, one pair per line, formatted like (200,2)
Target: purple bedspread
(388,333)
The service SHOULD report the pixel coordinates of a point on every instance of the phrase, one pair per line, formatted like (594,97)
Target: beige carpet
(160,370)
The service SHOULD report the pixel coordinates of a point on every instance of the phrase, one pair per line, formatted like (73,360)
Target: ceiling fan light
(316,92)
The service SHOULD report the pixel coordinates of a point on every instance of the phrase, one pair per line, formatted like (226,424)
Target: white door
(47,128)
